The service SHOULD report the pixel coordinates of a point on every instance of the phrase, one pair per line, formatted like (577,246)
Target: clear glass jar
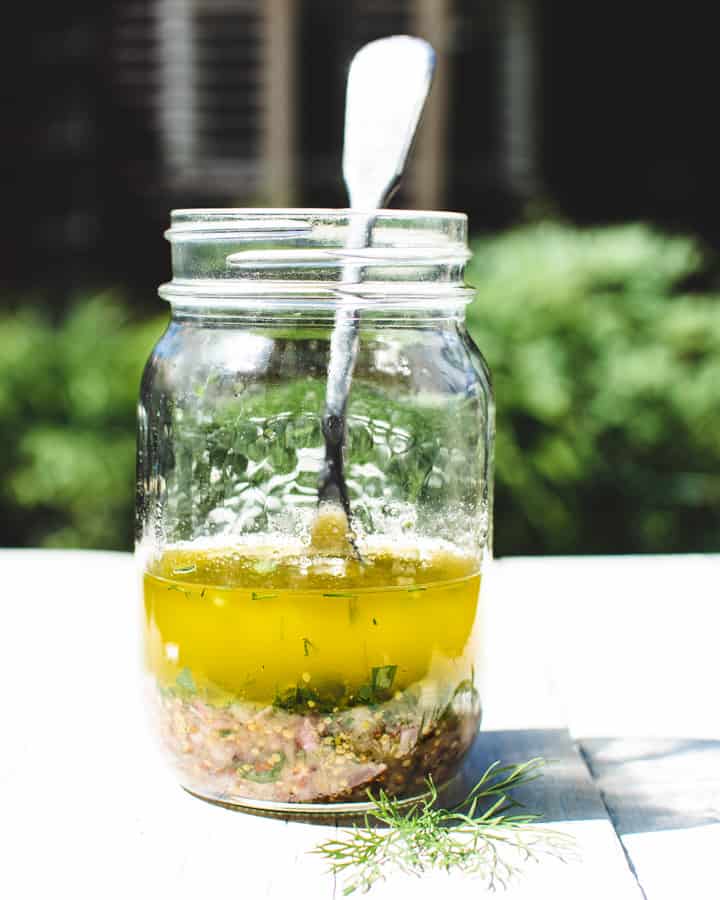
(291,666)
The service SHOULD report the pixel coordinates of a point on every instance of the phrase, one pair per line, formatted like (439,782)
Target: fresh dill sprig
(483,835)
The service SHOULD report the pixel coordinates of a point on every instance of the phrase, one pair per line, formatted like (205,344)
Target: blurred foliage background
(606,357)
(603,340)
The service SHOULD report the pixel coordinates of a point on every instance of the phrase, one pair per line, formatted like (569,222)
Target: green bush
(606,370)
(67,407)
(607,378)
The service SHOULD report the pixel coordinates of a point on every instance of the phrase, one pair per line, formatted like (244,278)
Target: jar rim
(186,219)
(339,253)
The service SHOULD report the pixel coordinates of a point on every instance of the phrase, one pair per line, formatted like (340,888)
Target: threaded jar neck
(251,256)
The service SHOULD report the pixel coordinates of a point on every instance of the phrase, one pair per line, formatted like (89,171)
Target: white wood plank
(631,640)
(632,648)
(677,863)
(655,784)
(663,796)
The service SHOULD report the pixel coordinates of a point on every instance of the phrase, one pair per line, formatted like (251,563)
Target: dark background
(624,112)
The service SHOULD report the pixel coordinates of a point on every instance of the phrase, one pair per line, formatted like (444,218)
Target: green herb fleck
(264,776)
(185,681)
(416,587)
(365,693)
(307,646)
(303,698)
(225,732)
(465,687)
(352,608)
(379,688)
(374,621)
(383,678)
(257,596)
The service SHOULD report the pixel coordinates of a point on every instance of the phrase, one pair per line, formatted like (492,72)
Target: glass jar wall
(292,662)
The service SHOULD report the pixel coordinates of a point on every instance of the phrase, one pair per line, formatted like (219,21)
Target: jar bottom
(285,762)
(319,813)
(446,776)
(439,754)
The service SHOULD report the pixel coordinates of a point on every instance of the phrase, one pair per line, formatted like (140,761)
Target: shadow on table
(656,784)
(565,791)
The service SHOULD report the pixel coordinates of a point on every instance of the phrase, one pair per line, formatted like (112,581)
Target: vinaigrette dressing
(258,620)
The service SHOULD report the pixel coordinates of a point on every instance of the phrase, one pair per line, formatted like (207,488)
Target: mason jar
(297,659)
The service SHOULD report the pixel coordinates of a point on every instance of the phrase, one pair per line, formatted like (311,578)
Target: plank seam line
(628,859)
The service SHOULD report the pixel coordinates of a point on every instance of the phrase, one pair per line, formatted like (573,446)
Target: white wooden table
(612,671)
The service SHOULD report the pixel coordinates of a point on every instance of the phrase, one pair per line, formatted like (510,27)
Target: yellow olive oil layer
(261,618)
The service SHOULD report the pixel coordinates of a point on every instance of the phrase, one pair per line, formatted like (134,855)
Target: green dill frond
(483,836)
